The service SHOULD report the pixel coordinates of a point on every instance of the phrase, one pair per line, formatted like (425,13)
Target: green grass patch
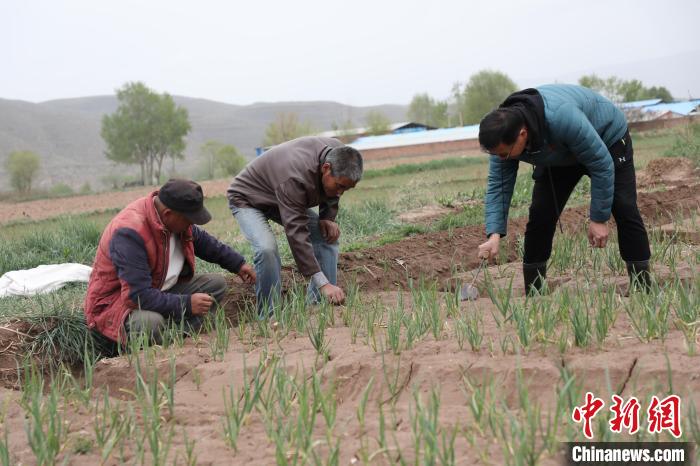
(686,143)
(68,240)
(649,145)
(422,167)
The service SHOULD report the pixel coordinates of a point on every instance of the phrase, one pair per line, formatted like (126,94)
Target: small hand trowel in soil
(469,291)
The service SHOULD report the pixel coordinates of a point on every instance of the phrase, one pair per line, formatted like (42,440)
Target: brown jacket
(284,183)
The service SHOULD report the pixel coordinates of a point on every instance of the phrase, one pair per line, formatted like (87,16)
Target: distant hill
(66,132)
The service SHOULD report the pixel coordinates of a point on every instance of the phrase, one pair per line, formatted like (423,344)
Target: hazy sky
(356,52)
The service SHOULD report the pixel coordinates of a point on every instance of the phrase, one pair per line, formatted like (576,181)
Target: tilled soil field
(385,400)
(42,209)
(437,255)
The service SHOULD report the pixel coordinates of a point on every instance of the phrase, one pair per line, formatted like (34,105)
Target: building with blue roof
(347,135)
(678,108)
(419,143)
(413,138)
(352,134)
(652,109)
(640,103)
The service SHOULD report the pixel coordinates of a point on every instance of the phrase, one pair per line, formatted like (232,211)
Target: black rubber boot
(534,276)
(640,278)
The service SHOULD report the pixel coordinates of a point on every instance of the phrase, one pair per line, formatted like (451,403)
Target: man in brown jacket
(283,185)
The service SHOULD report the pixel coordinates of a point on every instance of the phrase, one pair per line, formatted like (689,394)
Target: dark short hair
(499,126)
(346,162)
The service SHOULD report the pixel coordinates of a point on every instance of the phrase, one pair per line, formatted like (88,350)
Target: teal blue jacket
(579,127)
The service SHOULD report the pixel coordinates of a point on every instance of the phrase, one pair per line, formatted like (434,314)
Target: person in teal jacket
(565,131)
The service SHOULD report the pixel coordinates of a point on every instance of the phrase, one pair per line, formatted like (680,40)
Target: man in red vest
(144,270)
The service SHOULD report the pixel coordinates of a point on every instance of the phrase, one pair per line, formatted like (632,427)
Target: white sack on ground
(42,279)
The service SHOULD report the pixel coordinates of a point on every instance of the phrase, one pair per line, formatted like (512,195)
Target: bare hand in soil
(598,234)
(329,230)
(489,249)
(201,302)
(247,274)
(333,293)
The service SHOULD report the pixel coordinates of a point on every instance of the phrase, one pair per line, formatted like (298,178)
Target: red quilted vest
(107,300)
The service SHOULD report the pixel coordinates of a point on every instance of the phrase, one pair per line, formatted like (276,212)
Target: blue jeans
(266,258)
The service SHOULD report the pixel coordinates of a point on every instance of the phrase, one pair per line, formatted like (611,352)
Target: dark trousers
(558,182)
(153,323)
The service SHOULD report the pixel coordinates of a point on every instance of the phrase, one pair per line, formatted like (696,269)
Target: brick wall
(663,123)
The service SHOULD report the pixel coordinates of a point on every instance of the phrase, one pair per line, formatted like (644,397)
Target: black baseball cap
(185,197)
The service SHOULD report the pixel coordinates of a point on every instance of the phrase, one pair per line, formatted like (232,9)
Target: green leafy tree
(145,129)
(221,159)
(173,125)
(482,93)
(659,92)
(342,126)
(285,128)
(457,103)
(229,161)
(345,129)
(609,87)
(61,190)
(377,123)
(440,114)
(85,188)
(632,90)
(22,166)
(208,152)
(620,90)
(428,111)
